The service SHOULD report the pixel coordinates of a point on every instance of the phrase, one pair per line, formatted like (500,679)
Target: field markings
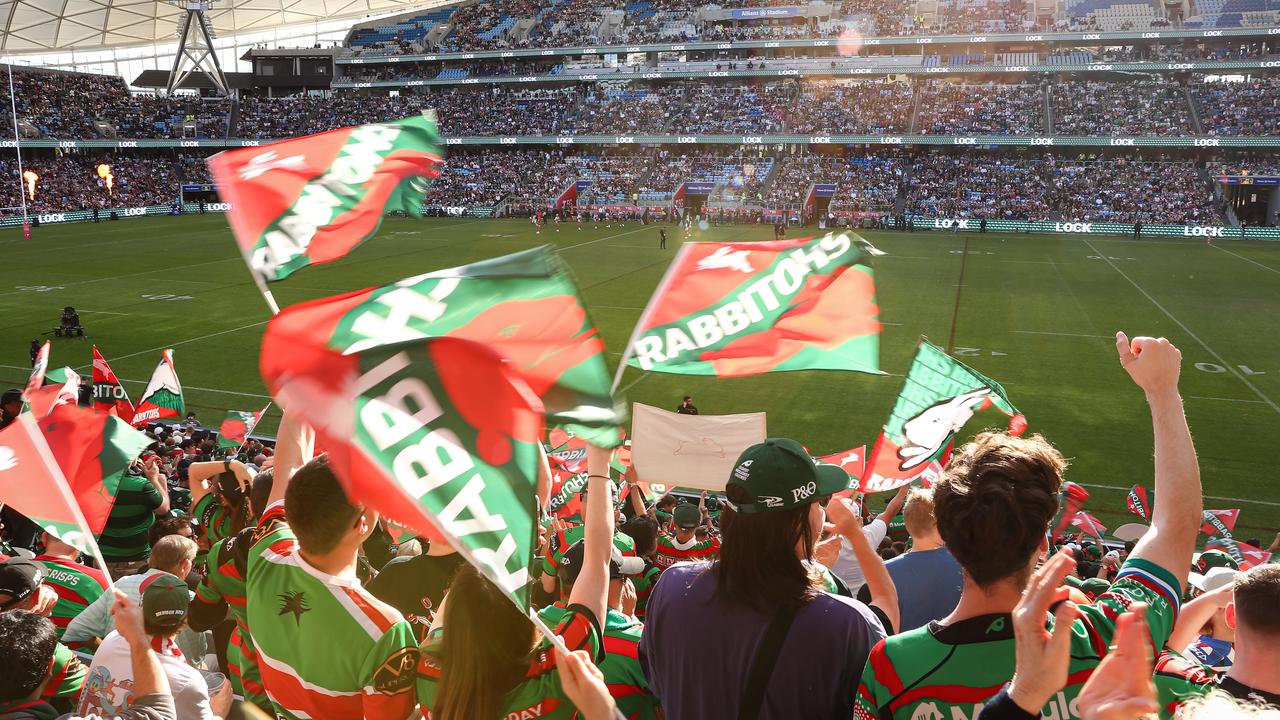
(1243,400)
(1031,262)
(1248,260)
(144,272)
(1062,334)
(1234,371)
(611,307)
(635,382)
(103,312)
(184,342)
(1206,497)
(606,237)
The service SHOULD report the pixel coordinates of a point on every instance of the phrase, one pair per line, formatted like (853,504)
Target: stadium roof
(44,25)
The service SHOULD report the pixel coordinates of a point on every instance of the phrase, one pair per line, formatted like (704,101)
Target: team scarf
(108,394)
(236,426)
(438,435)
(1140,501)
(38,368)
(737,309)
(313,199)
(63,469)
(1219,522)
(163,397)
(525,306)
(1087,524)
(1071,500)
(939,395)
(1246,555)
(852,461)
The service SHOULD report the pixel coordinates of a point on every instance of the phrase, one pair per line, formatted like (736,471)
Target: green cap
(780,475)
(165,600)
(1215,558)
(687,517)
(1094,587)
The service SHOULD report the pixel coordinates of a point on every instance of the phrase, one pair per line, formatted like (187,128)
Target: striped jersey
(224,587)
(215,518)
(669,551)
(644,583)
(621,667)
(66,679)
(326,647)
(540,695)
(124,538)
(950,671)
(563,540)
(77,586)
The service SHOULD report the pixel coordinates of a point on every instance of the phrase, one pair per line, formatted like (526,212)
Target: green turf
(1035,312)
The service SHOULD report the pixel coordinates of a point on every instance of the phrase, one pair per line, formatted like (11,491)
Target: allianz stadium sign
(1093,228)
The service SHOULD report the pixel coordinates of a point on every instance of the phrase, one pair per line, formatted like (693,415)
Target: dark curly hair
(995,501)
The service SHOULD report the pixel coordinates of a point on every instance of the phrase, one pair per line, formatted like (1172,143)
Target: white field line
(188,387)
(184,342)
(1187,330)
(144,272)
(606,237)
(1206,497)
(1248,260)
(1058,334)
(1243,400)
(635,382)
(104,312)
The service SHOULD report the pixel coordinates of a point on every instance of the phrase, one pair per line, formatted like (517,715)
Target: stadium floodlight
(195,43)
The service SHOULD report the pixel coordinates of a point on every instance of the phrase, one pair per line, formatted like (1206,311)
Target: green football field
(1037,313)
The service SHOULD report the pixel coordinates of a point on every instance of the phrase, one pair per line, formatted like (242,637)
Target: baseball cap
(165,600)
(1093,587)
(1213,559)
(11,395)
(686,516)
(620,565)
(780,475)
(19,578)
(1212,580)
(1092,551)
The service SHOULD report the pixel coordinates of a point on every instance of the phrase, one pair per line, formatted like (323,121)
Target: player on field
(662,239)
(994,505)
(326,647)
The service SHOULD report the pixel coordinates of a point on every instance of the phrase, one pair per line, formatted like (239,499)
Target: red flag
(108,394)
(852,461)
(1245,554)
(1140,502)
(1219,522)
(42,401)
(558,438)
(1071,498)
(62,470)
(1088,524)
(38,369)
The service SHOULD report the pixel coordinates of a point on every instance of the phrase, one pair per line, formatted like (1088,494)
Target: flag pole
(644,316)
(262,288)
(255,424)
(17,146)
(51,464)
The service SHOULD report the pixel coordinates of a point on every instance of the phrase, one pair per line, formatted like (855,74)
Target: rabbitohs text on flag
(162,398)
(736,309)
(108,395)
(312,199)
(524,305)
(938,396)
(439,435)
(62,470)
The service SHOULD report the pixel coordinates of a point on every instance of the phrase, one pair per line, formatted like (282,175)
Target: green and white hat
(780,475)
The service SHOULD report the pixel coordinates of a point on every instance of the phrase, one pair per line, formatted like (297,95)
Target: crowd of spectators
(864,183)
(990,109)
(977,185)
(1139,107)
(71,182)
(1249,107)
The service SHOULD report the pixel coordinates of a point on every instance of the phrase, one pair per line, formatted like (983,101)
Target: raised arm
(295,444)
(1154,364)
(895,505)
(198,475)
(591,589)
(884,594)
(1195,614)
(153,475)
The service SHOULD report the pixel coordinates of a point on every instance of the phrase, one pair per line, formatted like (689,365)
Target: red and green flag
(312,199)
(1246,556)
(1219,522)
(1088,524)
(852,461)
(745,308)
(236,426)
(525,306)
(439,435)
(1071,500)
(939,395)
(38,368)
(163,397)
(108,394)
(1140,501)
(62,470)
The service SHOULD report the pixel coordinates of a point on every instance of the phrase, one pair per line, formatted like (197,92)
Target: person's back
(708,646)
(124,538)
(929,584)
(77,585)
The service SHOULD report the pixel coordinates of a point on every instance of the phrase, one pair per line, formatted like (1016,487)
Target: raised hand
(1043,656)
(1153,363)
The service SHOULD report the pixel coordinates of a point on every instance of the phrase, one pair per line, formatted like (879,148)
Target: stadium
(1034,175)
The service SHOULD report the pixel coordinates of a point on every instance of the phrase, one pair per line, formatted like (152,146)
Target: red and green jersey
(669,551)
(326,647)
(540,695)
(621,667)
(225,584)
(66,678)
(561,541)
(644,583)
(215,518)
(1178,680)
(77,586)
(950,671)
